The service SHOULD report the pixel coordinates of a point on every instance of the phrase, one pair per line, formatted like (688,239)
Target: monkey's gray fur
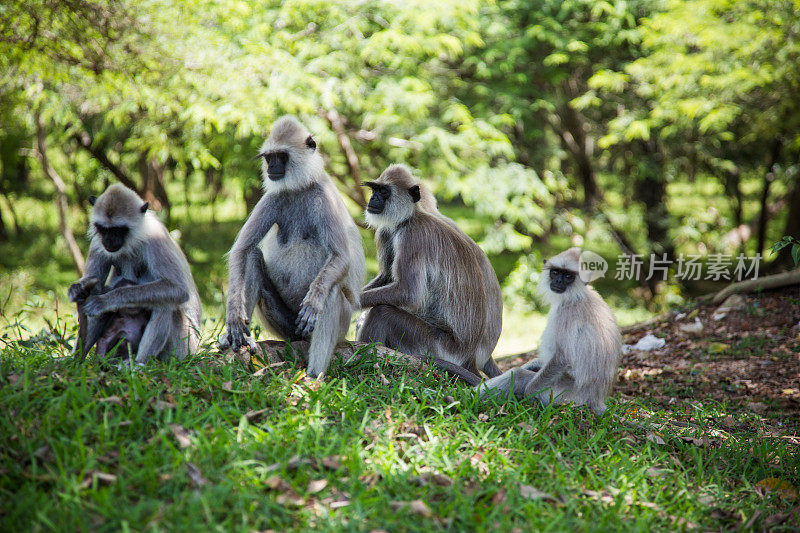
(298,259)
(436,293)
(129,242)
(580,348)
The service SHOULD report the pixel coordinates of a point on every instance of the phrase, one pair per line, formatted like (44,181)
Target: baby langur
(119,332)
(435,293)
(580,347)
(129,243)
(298,259)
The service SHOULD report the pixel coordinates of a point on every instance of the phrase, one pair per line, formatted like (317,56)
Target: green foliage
(788,241)
(553,121)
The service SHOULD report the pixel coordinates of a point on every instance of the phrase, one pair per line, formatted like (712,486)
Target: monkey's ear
(92,199)
(144,207)
(311,143)
(414,192)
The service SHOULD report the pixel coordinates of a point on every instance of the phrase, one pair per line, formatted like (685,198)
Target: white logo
(592,266)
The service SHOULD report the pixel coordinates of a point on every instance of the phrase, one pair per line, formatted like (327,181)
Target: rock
(695,329)
(646,344)
(734,302)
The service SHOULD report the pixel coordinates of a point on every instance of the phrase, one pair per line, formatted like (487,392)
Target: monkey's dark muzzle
(377,202)
(560,279)
(113,238)
(276,165)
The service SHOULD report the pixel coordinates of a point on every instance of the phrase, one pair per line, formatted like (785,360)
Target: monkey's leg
(404,332)
(491,369)
(331,327)
(261,293)
(514,381)
(184,338)
(160,330)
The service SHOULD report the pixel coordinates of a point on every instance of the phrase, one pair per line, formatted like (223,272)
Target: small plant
(788,240)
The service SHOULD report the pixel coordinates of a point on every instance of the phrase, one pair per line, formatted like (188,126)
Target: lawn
(208,444)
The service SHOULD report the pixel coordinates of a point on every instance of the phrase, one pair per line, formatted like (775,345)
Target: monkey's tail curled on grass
(454,370)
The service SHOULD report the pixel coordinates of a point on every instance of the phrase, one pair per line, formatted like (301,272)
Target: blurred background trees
(630,127)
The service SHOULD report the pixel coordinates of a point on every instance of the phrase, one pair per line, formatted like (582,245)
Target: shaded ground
(748,359)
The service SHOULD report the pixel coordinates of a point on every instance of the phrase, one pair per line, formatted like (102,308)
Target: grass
(206,444)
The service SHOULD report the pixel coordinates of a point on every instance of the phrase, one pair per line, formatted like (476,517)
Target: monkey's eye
(311,143)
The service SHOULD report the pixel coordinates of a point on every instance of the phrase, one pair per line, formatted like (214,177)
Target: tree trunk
(61,195)
(792,226)
(153,189)
(3,230)
(581,147)
(13,211)
(769,177)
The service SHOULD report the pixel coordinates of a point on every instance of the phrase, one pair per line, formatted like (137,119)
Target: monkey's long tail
(454,370)
(491,368)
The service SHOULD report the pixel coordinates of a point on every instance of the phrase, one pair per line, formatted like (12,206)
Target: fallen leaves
(111,399)
(772,485)
(417,507)
(95,476)
(181,435)
(316,485)
(195,475)
(532,493)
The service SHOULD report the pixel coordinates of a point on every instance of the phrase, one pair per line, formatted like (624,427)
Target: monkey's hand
(238,335)
(307,317)
(80,290)
(95,305)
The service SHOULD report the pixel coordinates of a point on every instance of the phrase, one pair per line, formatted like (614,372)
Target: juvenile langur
(118,331)
(298,259)
(580,347)
(129,243)
(435,293)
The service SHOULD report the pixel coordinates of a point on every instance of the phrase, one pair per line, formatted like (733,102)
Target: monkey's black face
(112,237)
(561,279)
(276,165)
(380,195)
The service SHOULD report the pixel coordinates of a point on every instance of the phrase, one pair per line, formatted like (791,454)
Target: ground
(698,435)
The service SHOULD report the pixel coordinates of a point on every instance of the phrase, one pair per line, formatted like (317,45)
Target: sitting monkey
(580,347)
(128,242)
(436,293)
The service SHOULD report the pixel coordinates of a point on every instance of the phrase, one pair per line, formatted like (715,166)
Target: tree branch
(337,124)
(86,142)
(61,194)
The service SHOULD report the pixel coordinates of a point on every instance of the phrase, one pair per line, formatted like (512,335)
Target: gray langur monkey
(129,243)
(298,259)
(435,293)
(580,347)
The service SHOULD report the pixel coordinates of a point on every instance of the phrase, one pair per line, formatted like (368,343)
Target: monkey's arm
(246,246)
(332,272)
(242,297)
(170,288)
(385,260)
(97,269)
(406,289)
(159,293)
